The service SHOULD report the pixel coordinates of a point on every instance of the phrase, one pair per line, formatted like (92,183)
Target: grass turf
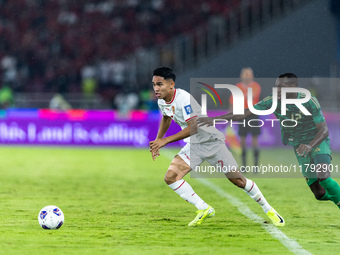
(115,202)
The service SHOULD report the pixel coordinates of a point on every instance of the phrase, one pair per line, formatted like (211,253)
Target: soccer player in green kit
(309,138)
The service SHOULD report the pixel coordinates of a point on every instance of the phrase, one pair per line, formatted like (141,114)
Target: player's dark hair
(292,79)
(165,72)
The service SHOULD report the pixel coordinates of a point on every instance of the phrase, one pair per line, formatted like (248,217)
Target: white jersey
(182,108)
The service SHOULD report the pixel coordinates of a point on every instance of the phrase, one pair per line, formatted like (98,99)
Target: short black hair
(292,79)
(165,72)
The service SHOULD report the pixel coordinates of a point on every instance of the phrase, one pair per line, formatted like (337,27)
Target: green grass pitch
(116,202)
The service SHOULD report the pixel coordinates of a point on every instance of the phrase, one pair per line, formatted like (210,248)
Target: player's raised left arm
(319,137)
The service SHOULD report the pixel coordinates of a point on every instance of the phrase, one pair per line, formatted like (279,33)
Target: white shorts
(215,153)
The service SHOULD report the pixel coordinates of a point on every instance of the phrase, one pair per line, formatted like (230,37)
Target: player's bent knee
(170,177)
(319,195)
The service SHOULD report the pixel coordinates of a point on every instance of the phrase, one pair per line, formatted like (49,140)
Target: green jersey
(305,130)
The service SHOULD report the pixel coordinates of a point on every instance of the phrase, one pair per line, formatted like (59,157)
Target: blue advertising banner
(106,128)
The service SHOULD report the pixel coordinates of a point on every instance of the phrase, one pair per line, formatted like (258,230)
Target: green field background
(116,202)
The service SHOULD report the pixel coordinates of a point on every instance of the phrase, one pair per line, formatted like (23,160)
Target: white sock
(185,191)
(254,192)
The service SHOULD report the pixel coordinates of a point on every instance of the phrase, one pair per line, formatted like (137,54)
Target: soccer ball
(51,217)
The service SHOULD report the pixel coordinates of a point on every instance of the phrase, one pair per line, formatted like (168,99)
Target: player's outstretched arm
(319,137)
(191,129)
(210,121)
(163,127)
(161,142)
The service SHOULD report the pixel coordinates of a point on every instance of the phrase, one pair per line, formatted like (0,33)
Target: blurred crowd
(65,46)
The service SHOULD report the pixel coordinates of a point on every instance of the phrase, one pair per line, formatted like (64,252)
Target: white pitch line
(290,244)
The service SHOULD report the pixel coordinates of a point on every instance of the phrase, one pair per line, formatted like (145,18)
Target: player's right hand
(303,150)
(155,154)
(155,146)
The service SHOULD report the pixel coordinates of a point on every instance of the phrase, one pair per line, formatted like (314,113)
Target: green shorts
(318,155)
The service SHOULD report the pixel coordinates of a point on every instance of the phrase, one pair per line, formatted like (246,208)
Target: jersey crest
(188,109)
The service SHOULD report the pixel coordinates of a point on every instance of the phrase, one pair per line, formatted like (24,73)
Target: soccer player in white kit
(207,143)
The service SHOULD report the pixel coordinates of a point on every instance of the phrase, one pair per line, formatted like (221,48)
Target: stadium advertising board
(106,128)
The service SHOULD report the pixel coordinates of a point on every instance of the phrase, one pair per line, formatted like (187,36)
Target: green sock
(332,190)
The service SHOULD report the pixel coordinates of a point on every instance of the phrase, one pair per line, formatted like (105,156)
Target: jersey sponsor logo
(188,109)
